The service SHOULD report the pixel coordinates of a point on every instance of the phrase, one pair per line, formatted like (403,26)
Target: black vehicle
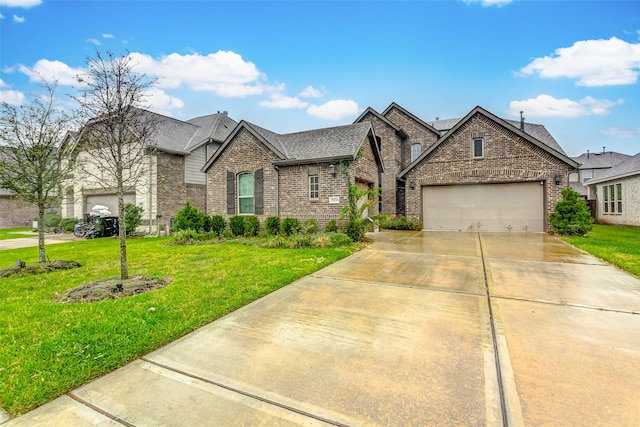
(97,226)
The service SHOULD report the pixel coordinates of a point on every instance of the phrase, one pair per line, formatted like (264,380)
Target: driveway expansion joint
(100,410)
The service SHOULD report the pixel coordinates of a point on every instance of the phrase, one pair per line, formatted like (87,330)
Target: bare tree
(32,159)
(117,137)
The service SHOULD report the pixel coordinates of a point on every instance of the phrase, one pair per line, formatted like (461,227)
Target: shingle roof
(215,127)
(602,160)
(629,167)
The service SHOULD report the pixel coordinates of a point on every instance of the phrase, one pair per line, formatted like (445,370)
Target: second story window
(478,148)
(415,151)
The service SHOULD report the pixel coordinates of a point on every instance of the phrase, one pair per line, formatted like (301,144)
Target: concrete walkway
(420,328)
(31,239)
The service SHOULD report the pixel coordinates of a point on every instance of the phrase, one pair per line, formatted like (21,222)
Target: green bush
(399,223)
(217,224)
(290,226)
(189,217)
(355,229)
(300,241)
(52,220)
(310,226)
(132,218)
(339,239)
(185,237)
(236,224)
(251,226)
(67,224)
(331,227)
(272,224)
(571,215)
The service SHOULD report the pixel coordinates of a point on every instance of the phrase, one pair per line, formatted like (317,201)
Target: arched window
(245,193)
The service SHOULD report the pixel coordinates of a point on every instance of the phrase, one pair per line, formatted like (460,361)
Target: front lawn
(619,246)
(48,348)
(14,233)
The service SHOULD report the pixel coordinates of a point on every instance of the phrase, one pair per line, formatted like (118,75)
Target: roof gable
(629,167)
(505,124)
(601,160)
(413,117)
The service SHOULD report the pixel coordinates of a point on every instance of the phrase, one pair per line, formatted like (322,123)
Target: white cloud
(622,133)
(311,92)
(1,16)
(224,73)
(20,3)
(51,71)
(334,110)
(161,102)
(18,19)
(94,41)
(108,36)
(283,102)
(591,63)
(548,106)
(489,2)
(11,97)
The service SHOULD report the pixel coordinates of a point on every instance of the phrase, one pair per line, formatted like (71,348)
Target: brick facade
(172,191)
(507,158)
(15,213)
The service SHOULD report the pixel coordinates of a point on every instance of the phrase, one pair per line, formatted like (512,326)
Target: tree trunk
(41,254)
(122,230)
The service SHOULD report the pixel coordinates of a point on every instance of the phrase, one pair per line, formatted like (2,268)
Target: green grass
(619,246)
(48,348)
(7,233)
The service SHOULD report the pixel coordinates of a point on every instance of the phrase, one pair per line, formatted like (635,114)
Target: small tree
(32,161)
(133,217)
(571,215)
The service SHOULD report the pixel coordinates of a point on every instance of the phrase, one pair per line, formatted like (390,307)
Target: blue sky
(297,65)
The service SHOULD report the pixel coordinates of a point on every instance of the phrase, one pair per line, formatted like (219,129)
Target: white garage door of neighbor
(108,200)
(485,207)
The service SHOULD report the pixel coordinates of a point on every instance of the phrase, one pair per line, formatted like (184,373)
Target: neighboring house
(593,166)
(617,193)
(303,175)
(174,170)
(479,172)
(14,212)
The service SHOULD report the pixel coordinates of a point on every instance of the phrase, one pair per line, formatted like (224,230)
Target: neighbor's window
(245,193)
(605,193)
(478,147)
(619,197)
(314,187)
(612,198)
(415,151)
(586,176)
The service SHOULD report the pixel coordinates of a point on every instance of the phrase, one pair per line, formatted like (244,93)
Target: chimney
(603,150)
(521,121)
(587,154)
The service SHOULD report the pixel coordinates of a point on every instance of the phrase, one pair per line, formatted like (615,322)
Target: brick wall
(507,158)
(416,131)
(15,213)
(172,191)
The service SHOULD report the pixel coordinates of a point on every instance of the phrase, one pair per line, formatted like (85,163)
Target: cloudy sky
(297,65)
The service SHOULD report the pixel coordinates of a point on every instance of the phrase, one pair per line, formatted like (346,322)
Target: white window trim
(253,195)
(318,187)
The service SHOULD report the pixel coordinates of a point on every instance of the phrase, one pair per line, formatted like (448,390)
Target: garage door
(486,207)
(108,200)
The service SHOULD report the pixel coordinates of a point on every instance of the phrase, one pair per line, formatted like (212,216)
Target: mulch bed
(112,288)
(38,268)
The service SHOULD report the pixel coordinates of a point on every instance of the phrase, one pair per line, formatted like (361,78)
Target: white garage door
(485,207)
(108,200)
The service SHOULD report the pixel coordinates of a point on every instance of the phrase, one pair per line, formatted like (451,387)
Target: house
(305,175)
(593,165)
(14,212)
(181,148)
(478,172)
(617,193)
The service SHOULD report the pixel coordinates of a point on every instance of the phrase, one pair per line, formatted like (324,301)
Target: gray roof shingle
(629,167)
(602,160)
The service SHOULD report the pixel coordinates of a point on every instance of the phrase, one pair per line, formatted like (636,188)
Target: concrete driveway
(420,328)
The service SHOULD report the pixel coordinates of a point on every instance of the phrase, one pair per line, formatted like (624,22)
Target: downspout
(277,168)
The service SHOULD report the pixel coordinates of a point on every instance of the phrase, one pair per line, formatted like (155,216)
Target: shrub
(189,217)
(251,226)
(217,224)
(132,217)
(185,237)
(290,226)
(52,220)
(236,224)
(331,227)
(355,229)
(339,239)
(571,215)
(67,224)
(399,223)
(272,224)
(276,242)
(310,226)
(227,233)
(299,241)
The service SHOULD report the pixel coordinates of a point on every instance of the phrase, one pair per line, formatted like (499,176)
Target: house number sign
(334,199)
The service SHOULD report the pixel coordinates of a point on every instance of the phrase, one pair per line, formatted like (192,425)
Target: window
(245,193)
(478,148)
(586,176)
(619,197)
(415,151)
(612,198)
(605,193)
(314,187)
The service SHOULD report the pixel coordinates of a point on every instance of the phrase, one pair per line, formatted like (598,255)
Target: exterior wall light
(558,178)
(332,170)
(412,184)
